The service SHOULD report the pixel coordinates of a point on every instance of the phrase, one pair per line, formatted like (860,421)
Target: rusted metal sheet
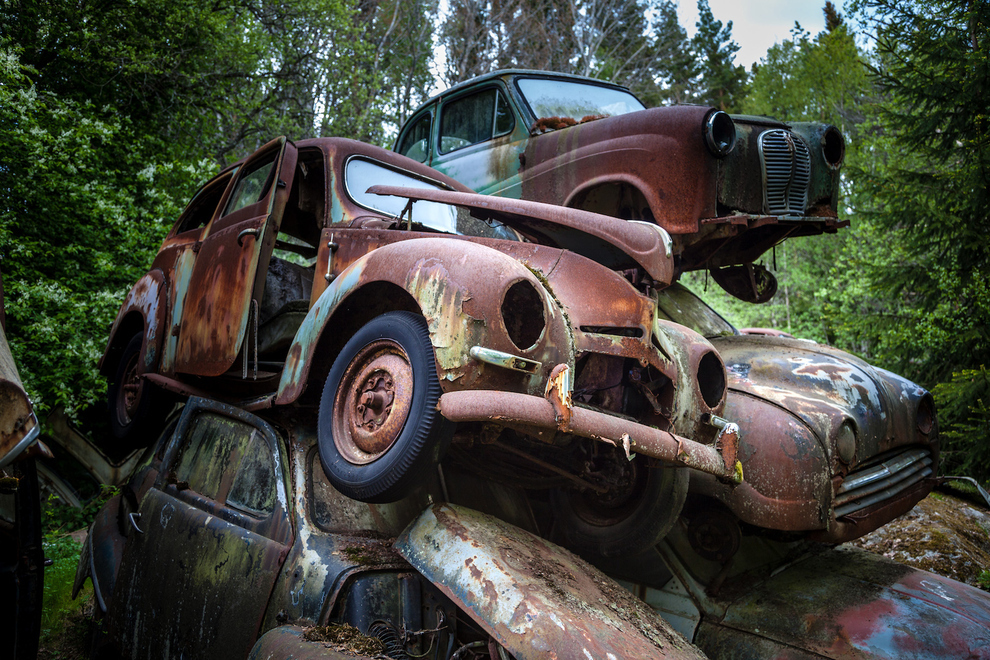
(534,598)
(648,245)
(847,603)
(230,271)
(143,311)
(18,426)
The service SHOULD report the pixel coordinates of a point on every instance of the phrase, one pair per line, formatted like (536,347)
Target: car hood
(536,599)
(849,603)
(611,242)
(824,387)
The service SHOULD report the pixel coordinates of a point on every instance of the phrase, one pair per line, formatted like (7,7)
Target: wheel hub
(373,401)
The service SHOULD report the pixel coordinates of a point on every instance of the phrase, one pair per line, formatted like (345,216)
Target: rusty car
(727,188)
(412,316)
(833,446)
(229,541)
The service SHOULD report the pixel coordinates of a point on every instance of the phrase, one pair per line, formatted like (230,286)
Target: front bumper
(552,414)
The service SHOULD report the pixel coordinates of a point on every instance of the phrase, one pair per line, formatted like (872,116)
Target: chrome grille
(882,479)
(786,172)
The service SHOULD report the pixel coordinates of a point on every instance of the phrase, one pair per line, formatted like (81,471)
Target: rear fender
(145,301)
(458,287)
(536,599)
(101,554)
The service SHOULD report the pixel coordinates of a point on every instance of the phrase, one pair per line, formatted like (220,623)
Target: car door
(231,262)
(214,531)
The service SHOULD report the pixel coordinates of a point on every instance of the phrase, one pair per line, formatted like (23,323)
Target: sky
(758,24)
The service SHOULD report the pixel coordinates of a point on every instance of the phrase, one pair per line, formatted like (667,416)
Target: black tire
(623,524)
(137,408)
(377,438)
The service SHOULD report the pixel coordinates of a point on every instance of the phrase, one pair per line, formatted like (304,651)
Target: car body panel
(847,603)
(528,594)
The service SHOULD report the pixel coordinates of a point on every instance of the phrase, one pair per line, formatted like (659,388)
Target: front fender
(459,287)
(146,300)
(535,598)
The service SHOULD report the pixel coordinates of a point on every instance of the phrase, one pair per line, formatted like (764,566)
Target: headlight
(522,314)
(833,147)
(720,134)
(926,415)
(711,379)
(845,442)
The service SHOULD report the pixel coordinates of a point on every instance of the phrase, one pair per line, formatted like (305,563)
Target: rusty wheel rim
(373,401)
(129,392)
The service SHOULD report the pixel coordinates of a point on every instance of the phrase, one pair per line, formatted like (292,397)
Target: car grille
(881,479)
(786,172)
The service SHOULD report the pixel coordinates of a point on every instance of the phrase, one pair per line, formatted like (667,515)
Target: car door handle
(246,232)
(134,517)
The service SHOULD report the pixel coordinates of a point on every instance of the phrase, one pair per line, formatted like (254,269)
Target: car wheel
(137,407)
(379,427)
(630,517)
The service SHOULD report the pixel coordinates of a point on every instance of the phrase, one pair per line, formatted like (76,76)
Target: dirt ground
(942,534)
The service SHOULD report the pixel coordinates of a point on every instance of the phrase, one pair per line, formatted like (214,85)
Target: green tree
(723,83)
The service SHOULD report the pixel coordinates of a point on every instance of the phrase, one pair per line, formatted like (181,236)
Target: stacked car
(370,398)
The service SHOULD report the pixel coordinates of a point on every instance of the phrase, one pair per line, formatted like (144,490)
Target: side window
(252,184)
(416,142)
(229,461)
(201,208)
(473,119)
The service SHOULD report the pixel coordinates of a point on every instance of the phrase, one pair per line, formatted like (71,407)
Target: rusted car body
(229,542)
(831,445)
(405,324)
(21,552)
(768,598)
(726,188)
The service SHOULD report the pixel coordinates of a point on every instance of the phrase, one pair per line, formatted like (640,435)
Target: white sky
(759,24)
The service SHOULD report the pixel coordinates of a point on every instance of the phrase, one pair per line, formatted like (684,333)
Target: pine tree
(723,83)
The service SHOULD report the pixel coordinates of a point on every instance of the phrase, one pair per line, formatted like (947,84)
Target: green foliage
(724,84)
(57,603)
(81,216)
(927,186)
(812,79)
(964,414)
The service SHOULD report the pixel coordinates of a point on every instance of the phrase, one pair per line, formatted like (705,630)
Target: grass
(65,623)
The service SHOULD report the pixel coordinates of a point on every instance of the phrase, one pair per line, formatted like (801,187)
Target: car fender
(536,599)
(101,554)
(146,302)
(788,477)
(458,287)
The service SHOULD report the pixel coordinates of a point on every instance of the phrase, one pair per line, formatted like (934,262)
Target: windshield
(566,98)
(361,174)
(679,305)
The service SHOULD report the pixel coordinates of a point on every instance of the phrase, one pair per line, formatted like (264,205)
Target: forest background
(112,112)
